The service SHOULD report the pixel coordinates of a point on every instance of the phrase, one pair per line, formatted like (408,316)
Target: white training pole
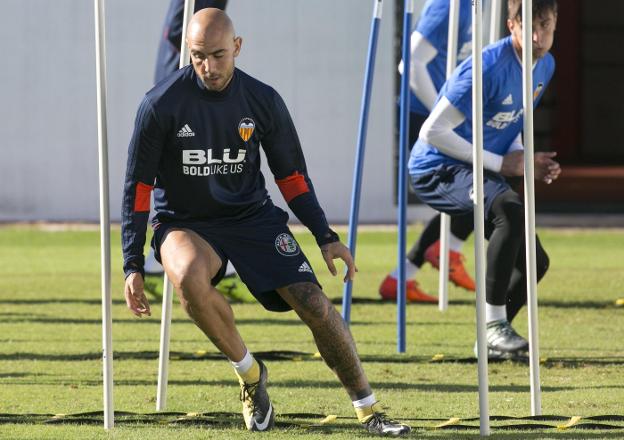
(107,303)
(167,304)
(163,356)
(529,204)
(479,210)
(495,20)
(445,219)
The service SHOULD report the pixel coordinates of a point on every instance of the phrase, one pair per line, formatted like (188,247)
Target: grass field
(50,349)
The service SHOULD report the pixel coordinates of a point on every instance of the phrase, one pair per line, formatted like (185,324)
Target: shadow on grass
(470,302)
(337,301)
(303,384)
(42,319)
(153,321)
(501,426)
(299,356)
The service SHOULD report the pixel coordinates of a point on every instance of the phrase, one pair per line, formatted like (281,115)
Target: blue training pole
(361,146)
(402,174)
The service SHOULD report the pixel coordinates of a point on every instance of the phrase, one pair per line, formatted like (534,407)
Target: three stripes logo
(305,267)
(246,128)
(185,132)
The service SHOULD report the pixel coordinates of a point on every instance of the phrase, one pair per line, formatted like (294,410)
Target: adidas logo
(305,267)
(185,132)
(508,100)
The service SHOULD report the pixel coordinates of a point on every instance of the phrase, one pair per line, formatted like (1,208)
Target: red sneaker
(388,291)
(457,271)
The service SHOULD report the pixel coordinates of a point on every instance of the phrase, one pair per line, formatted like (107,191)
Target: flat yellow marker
(573,421)
(619,302)
(317,355)
(437,357)
(449,422)
(330,418)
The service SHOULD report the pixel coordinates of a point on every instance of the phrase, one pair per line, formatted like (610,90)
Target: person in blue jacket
(440,164)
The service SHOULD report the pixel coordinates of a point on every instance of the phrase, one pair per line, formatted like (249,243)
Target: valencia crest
(246,128)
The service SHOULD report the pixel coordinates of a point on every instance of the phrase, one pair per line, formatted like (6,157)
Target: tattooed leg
(331,334)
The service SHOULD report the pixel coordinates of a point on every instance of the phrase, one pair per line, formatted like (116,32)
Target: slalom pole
(167,304)
(529,205)
(479,211)
(445,219)
(402,174)
(495,19)
(361,148)
(107,303)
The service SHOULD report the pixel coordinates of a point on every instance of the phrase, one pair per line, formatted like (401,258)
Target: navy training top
(199,151)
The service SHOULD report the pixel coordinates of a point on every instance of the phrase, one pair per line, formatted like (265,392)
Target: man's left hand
(546,168)
(335,250)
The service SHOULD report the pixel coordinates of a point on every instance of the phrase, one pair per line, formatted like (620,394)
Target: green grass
(50,344)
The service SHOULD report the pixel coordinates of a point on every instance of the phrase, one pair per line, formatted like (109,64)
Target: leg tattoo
(332,336)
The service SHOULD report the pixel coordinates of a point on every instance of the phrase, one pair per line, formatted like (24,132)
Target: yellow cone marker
(573,421)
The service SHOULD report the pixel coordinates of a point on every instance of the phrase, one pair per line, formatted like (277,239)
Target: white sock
(363,403)
(244,365)
(495,313)
(410,270)
(455,244)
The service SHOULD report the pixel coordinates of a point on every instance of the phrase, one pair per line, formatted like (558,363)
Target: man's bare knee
(190,281)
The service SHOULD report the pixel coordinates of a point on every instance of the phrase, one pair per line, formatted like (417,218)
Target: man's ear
(238,42)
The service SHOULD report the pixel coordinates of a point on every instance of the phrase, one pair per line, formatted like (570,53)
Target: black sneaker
(257,409)
(504,343)
(380,424)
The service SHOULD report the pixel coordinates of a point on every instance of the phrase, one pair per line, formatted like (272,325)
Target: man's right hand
(135,296)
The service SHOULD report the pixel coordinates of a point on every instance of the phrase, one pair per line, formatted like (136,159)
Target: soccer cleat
(457,271)
(380,424)
(503,342)
(388,291)
(257,409)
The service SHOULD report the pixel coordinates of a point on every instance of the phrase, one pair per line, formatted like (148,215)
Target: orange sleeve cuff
(292,186)
(142,197)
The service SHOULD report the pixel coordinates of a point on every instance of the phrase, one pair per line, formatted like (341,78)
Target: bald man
(196,144)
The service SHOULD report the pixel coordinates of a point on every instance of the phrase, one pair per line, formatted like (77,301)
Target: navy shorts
(261,248)
(448,188)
